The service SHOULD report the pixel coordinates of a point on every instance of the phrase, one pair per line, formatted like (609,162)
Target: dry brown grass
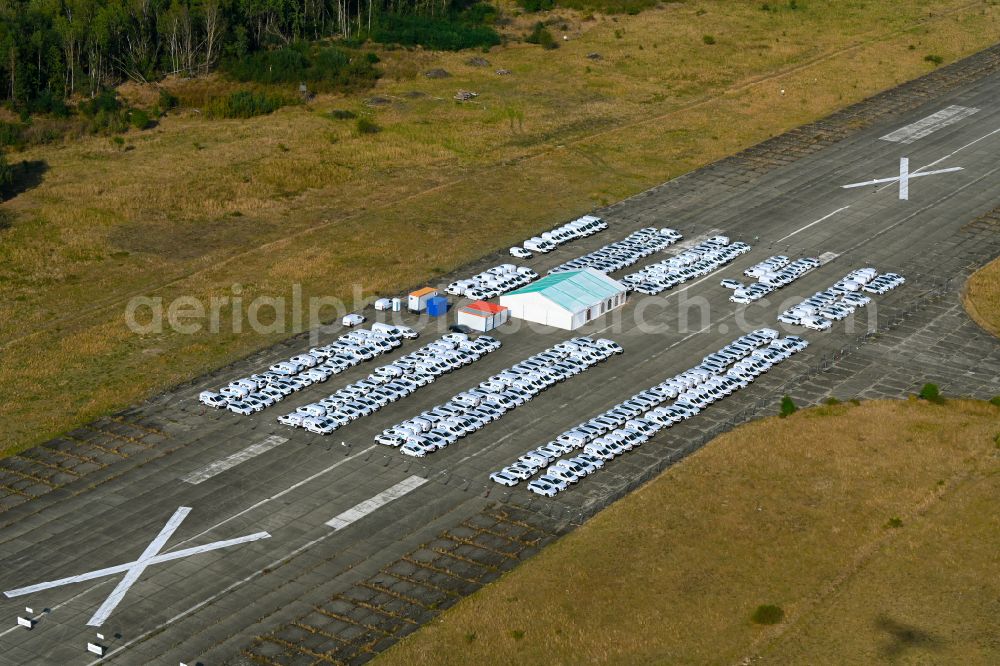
(982,297)
(194,206)
(791,512)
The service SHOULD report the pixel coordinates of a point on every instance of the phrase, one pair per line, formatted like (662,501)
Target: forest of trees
(51,50)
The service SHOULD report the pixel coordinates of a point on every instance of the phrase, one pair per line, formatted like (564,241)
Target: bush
(708,39)
(517,634)
(450,33)
(243,104)
(831,401)
(6,172)
(6,220)
(995,401)
(108,122)
(540,35)
(895,522)
(140,119)
(767,614)
(105,101)
(322,68)
(342,114)
(787,407)
(536,5)
(50,103)
(366,126)
(167,100)
(104,113)
(934,59)
(11,134)
(931,393)
(630,7)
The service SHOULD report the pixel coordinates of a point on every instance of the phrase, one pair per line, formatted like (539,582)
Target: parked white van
(212,399)
(536,244)
(234,391)
(467,399)
(312,410)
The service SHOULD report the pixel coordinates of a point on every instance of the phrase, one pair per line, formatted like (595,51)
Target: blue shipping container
(437,306)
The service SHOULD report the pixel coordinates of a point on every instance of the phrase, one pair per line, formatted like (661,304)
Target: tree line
(51,50)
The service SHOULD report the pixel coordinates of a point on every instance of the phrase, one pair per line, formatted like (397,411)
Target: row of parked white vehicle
(584,449)
(693,262)
(492,282)
(257,392)
(772,273)
(391,382)
(547,241)
(622,254)
(473,409)
(840,300)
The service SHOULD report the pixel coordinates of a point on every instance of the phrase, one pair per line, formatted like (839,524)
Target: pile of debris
(465,95)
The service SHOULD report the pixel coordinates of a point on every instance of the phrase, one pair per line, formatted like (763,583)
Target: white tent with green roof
(567,299)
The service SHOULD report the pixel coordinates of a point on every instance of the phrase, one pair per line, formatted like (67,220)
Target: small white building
(482,316)
(417,301)
(567,299)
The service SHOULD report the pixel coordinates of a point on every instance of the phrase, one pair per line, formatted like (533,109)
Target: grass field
(871,526)
(193,206)
(982,297)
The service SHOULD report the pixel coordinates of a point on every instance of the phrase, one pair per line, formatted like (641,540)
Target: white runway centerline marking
(822,219)
(220,466)
(903,178)
(932,123)
(134,569)
(361,510)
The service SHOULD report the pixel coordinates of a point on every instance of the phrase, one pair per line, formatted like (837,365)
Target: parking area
(342,511)
(699,260)
(492,282)
(632,422)
(840,300)
(475,408)
(389,383)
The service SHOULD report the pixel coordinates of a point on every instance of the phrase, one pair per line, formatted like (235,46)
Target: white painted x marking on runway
(133,570)
(904,178)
